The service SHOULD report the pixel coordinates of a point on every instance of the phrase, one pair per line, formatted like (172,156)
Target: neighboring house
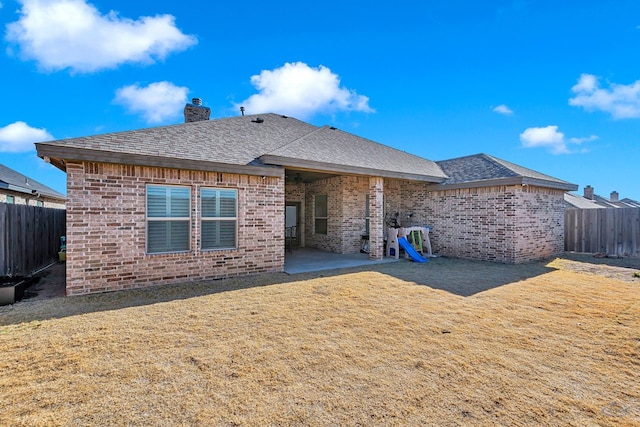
(19,189)
(590,200)
(210,199)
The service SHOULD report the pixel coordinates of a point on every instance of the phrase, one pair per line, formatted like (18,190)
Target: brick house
(590,200)
(19,189)
(211,198)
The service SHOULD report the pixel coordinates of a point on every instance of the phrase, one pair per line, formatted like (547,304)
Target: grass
(449,343)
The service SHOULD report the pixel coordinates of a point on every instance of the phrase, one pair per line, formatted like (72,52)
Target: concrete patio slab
(305,260)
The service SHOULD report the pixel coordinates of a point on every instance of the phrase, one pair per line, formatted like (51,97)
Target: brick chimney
(588,192)
(195,112)
(614,196)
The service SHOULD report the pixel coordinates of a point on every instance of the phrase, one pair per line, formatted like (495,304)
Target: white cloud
(73,34)
(156,102)
(621,101)
(18,137)
(550,138)
(301,91)
(503,109)
(583,139)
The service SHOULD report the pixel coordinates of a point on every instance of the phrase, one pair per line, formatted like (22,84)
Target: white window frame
(166,219)
(212,219)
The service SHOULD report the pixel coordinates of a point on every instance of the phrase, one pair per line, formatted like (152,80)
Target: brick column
(376,219)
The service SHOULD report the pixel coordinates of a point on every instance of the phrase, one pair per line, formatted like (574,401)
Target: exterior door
(292,223)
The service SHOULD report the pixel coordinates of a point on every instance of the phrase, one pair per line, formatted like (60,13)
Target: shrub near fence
(608,231)
(29,238)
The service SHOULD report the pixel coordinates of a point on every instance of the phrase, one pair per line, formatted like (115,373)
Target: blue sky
(553,86)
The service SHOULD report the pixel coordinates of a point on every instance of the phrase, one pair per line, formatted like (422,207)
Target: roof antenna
(242,110)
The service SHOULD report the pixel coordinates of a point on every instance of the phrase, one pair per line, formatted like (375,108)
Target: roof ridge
(169,126)
(317,129)
(507,165)
(463,157)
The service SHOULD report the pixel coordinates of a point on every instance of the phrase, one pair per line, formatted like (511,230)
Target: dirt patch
(49,283)
(625,269)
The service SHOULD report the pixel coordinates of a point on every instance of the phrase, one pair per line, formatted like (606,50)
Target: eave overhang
(515,180)
(345,169)
(58,155)
(27,190)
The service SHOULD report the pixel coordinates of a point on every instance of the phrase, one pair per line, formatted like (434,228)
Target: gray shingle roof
(253,141)
(334,149)
(607,203)
(262,144)
(15,181)
(235,140)
(630,203)
(480,168)
(578,201)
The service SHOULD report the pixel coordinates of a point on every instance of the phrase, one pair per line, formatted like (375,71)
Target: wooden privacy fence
(608,231)
(29,237)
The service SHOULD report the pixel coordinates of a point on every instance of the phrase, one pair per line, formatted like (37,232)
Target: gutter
(346,169)
(58,155)
(516,180)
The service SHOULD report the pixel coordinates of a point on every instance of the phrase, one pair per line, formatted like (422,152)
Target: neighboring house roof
(248,144)
(608,203)
(15,181)
(630,203)
(580,202)
(485,170)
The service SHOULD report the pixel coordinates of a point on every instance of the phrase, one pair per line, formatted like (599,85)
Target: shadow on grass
(456,276)
(466,277)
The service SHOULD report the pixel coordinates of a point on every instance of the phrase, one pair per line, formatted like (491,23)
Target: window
(40,203)
(219,218)
(11,199)
(321,214)
(366,214)
(168,219)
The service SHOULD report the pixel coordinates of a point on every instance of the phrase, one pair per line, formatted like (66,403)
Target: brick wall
(376,218)
(354,200)
(346,198)
(294,192)
(409,199)
(106,228)
(332,188)
(539,229)
(509,224)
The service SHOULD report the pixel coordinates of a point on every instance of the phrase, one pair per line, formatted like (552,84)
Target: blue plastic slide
(404,244)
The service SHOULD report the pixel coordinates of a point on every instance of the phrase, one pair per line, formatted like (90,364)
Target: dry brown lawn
(447,343)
